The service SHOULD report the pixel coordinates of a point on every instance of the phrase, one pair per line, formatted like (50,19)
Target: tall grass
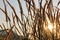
(33,28)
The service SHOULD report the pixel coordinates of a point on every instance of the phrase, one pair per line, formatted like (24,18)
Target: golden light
(49,24)
(50,27)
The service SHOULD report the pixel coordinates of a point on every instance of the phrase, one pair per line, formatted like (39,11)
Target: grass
(36,22)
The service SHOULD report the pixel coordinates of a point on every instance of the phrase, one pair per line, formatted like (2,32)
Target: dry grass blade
(9,33)
(2,10)
(26,5)
(5,14)
(17,18)
(13,17)
(40,4)
(17,30)
(1,26)
(7,17)
(33,6)
(14,23)
(4,26)
(21,10)
(29,6)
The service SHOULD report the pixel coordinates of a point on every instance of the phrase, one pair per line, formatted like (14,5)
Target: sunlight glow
(50,27)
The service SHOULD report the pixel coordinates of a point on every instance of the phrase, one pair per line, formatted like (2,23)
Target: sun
(49,24)
(50,27)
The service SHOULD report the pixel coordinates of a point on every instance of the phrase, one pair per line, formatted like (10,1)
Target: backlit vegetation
(42,23)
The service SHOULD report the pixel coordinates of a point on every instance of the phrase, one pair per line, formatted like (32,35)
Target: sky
(15,4)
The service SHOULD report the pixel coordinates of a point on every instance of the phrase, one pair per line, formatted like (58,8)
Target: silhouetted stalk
(9,33)
(7,17)
(21,10)
(1,26)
